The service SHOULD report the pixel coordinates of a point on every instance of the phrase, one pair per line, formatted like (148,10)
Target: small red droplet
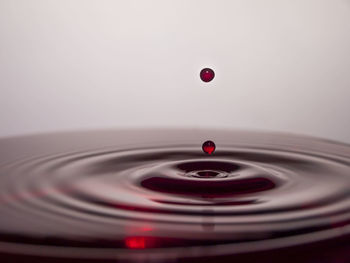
(207,74)
(208,147)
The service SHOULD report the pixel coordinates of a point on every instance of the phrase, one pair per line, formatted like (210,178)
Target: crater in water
(154,195)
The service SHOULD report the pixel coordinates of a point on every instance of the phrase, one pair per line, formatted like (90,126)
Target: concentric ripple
(98,193)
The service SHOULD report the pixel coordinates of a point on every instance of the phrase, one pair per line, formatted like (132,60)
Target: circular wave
(251,195)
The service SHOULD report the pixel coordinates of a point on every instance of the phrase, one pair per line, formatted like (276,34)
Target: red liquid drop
(207,74)
(208,147)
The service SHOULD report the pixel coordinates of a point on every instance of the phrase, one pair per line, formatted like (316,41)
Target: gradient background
(89,64)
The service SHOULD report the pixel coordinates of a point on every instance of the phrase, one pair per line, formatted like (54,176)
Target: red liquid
(207,74)
(208,147)
(153,196)
(135,242)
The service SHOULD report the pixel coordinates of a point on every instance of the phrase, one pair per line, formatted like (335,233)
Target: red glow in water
(135,242)
(207,74)
(208,147)
(146,229)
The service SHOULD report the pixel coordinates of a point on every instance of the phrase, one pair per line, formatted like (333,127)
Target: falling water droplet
(207,74)
(208,147)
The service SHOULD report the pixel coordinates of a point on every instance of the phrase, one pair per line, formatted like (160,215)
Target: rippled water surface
(154,196)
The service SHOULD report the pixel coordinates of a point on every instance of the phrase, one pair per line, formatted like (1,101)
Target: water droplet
(207,74)
(208,147)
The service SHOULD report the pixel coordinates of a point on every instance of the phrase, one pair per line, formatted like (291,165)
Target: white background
(89,64)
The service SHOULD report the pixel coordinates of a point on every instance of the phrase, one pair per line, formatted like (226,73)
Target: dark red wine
(207,74)
(208,147)
(153,196)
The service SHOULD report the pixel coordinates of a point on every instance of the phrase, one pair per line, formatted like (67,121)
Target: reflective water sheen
(154,196)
